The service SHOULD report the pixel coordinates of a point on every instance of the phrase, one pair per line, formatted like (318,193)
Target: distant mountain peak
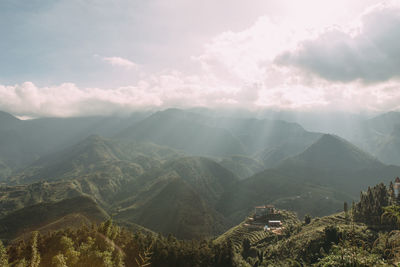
(7,117)
(332,152)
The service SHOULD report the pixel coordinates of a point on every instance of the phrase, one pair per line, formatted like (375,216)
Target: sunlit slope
(184,131)
(270,141)
(99,156)
(242,166)
(130,181)
(264,135)
(33,217)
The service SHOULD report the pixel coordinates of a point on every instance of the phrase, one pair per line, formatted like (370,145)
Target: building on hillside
(274,223)
(263,211)
(275,226)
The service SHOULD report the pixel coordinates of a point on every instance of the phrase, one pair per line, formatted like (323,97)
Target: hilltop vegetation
(337,240)
(366,235)
(110,245)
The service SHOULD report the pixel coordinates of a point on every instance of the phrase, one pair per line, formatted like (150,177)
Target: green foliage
(3,255)
(59,261)
(331,234)
(246,245)
(392,212)
(373,208)
(108,245)
(348,255)
(35,254)
(307,219)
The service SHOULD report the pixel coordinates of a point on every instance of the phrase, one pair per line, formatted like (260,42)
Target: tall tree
(35,255)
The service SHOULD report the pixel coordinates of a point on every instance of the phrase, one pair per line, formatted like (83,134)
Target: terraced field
(240,232)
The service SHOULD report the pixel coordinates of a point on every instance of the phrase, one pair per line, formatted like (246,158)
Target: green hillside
(13,198)
(184,190)
(348,238)
(286,192)
(39,215)
(316,181)
(125,178)
(24,141)
(99,156)
(240,232)
(176,208)
(206,176)
(365,235)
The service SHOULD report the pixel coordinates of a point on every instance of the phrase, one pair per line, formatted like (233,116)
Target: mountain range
(190,174)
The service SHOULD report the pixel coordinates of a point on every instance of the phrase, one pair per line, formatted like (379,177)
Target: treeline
(375,206)
(109,245)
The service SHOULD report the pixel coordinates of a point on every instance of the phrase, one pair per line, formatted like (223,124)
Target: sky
(99,57)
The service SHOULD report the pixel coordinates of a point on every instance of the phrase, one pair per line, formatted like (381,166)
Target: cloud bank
(370,53)
(270,64)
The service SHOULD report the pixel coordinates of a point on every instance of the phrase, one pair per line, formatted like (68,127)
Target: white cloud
(243,56)
(120,62)
(238,69)
(369,53)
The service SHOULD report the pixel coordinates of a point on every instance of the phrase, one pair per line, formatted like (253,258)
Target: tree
(3,256)
(307,219)
(346,211)
(246,247)
(35,255)
(392,212)
(59,261)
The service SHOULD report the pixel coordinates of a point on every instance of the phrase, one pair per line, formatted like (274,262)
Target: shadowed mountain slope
(187,188)
(316,181)
(175,208)
(32,217)
(331,152)
(335,163)
(287,192)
